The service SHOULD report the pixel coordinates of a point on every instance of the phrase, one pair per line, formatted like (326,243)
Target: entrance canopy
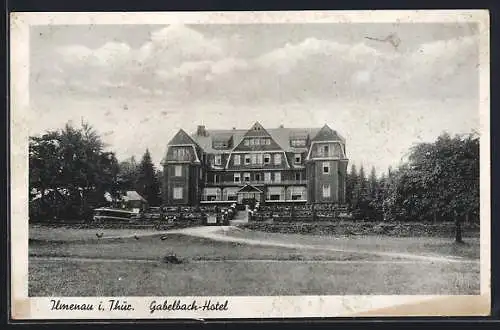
(249,189)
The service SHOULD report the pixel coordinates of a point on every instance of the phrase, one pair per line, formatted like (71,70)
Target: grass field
(68,278)
(128,266)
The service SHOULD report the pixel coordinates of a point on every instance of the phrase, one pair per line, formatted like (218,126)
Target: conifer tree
(147,184)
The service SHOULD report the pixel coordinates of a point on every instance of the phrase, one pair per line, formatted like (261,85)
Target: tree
(351,188)
(71,166)
(128,174)
(439,181)
(147,181)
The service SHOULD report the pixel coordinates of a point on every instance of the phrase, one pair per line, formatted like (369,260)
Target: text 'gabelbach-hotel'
(295,165)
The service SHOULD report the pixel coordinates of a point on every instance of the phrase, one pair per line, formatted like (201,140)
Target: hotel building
(296,165)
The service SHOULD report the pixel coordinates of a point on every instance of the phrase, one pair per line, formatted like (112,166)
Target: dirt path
(224,234)
(234,234)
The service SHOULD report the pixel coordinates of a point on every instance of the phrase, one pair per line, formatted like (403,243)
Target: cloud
(181,62)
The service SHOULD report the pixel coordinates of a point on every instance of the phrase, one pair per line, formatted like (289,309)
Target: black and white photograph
(214,157)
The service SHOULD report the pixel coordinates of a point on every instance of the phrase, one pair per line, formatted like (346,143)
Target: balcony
(256,183)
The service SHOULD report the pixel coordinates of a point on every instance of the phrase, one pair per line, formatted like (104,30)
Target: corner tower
(182,171)
(326,168)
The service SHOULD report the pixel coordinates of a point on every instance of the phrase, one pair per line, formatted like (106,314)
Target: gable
(256,130)
(257,138)
(182,138)
(326,134)
(249,188)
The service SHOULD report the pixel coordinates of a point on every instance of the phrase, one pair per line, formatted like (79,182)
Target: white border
(24,307)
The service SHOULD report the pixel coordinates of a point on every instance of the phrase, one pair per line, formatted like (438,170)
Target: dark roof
(326,134)
(257,130)
(182,138)
(281,135)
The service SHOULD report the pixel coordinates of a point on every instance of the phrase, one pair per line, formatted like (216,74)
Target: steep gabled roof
(257,130)
(326,134)
(182,138)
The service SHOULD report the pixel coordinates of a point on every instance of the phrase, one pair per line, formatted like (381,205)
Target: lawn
(68,263)
(68,278)
(186,248)
(417,245)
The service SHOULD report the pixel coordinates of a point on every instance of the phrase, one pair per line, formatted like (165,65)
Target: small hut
(131,200)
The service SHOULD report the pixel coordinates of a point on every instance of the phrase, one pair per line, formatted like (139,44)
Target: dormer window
(220,145)
(218,159)
(298,143)
(222,142)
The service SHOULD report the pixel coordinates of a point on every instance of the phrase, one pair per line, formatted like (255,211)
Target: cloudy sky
(139,84)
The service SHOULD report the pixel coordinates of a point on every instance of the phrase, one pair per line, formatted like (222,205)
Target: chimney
(234,128)
(281,126)
(201,130)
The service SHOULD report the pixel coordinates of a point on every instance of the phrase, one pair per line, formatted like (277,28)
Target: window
(277,177)
(325,151)
(267,158)
(275,197)
(298,143)
(211,197)
(257,142)
(296,193)
(326,167)
(246,177)
(216,178)
(277,159)
(221,144)
(237,159)
(297,176)
(259,158)
(252,142)
(253,158)
(178,193)
(218,159)
(178,170)
(298,158)
(201,174)
(326,190)
(180,154)
(246,142)
(237,177)
(267,177)
(257,177)
(247,159)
